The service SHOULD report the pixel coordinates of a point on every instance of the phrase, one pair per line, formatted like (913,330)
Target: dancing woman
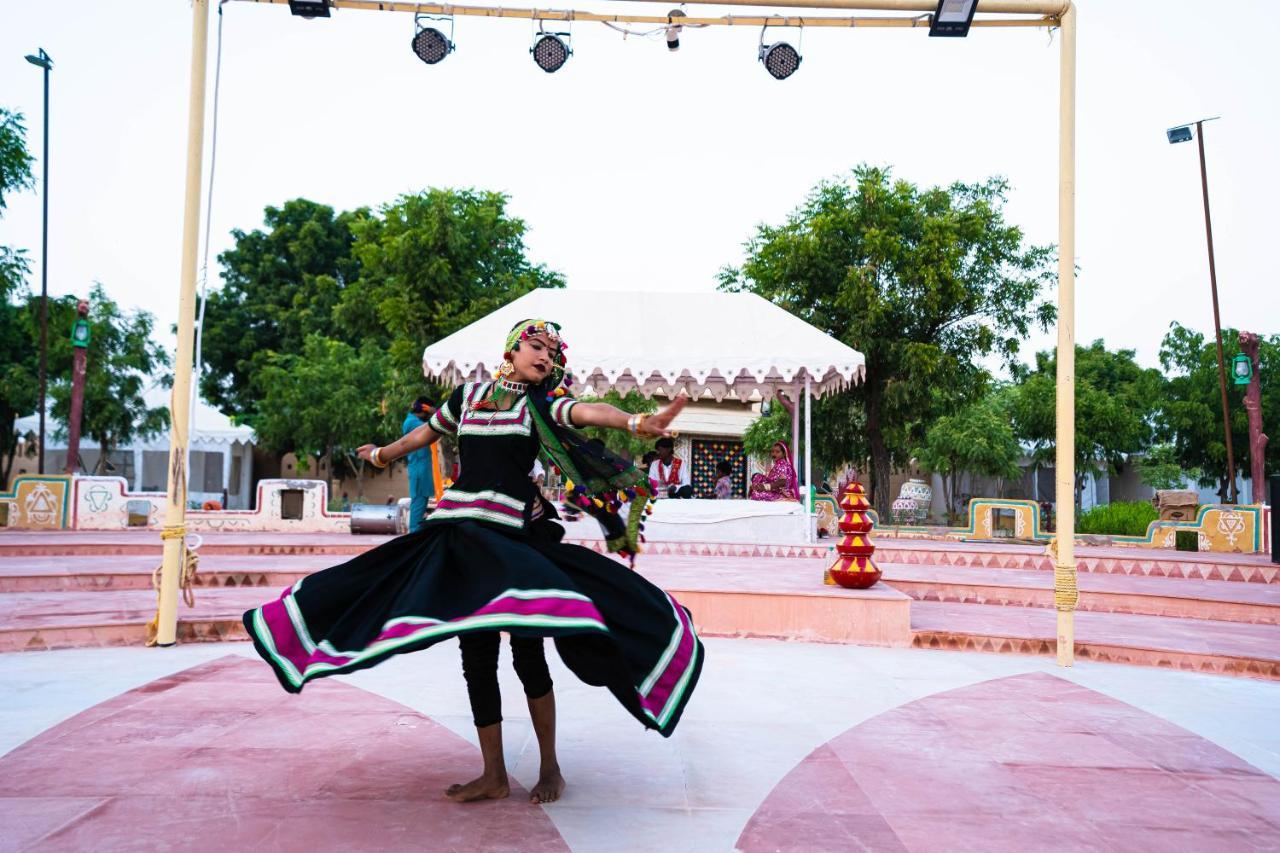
(780,483)
(490,559)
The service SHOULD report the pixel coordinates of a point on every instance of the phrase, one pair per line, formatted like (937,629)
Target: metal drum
(384,519)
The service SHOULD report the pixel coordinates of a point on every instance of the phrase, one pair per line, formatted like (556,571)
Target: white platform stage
(701,520)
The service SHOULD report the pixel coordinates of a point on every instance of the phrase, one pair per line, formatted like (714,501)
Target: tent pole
(808,459)
(795,423)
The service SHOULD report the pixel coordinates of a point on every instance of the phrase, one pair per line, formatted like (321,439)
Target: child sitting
(724,481)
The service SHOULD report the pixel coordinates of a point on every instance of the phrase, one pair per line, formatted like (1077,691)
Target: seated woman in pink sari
(779,484)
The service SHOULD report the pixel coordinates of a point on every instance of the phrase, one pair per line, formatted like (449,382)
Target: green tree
(978,439)
(324,402)
(430,263)
(123,361)
(1117,408)
(923,282)
(280,285)
(1159,469)
(767,430)
(1192,410)
(19,388)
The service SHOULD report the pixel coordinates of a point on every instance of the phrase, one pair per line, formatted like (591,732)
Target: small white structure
(723,345)
(221,456)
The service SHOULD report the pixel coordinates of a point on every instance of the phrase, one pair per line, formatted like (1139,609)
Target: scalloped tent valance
(717,343)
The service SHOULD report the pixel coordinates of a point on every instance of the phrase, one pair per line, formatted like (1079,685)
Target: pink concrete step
(1250,568)
(1146,595)
(1203,645)
(133,571)
(140,542)
(57,620)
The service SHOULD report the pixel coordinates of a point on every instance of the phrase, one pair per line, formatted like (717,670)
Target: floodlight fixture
(551,50)
(952,18)
(1179,134)
(430,44)
(309,8)
(673,29)
(780,59)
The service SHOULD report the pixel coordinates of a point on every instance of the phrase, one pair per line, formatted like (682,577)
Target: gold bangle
(376,458)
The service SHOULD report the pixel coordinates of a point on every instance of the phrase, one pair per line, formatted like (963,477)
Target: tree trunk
(880,498)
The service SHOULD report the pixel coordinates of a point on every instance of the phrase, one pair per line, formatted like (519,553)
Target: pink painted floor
(219,757)
(1030,762)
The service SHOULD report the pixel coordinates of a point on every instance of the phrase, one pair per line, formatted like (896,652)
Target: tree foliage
(375,288)
(122,363)
(325,401)
(430,263)
(19,388)
(280,285)
(1192,414)
(1117,408)
(1159,468)
(977,439)
(766,431)
(924,282)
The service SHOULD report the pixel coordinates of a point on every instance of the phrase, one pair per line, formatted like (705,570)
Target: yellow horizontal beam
(723,21)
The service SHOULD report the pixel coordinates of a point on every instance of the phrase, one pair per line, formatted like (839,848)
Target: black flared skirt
(611,627)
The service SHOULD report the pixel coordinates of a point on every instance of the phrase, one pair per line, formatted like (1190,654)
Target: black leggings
(480,668)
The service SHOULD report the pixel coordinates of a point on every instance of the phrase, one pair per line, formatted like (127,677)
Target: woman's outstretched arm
(415,440)
(605,415)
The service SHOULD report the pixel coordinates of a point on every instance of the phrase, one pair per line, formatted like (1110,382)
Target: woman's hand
(657,423)
(365,451)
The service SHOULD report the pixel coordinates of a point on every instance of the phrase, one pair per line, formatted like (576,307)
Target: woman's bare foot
(549,788)
(482,788)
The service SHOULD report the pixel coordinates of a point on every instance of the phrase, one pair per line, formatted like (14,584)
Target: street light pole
(43,60)
(1183,133)
(1217,323)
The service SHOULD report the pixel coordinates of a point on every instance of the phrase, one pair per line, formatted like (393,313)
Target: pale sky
(636,168)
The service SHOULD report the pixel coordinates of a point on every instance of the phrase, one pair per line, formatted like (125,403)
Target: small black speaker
(1275,531)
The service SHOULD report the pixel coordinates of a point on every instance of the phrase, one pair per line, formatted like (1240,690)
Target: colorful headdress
(596,481)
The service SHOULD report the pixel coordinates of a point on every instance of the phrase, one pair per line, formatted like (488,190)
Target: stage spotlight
(309,8)
(780,59)
(673,29)
(952,18)
(551,50)
(429,44)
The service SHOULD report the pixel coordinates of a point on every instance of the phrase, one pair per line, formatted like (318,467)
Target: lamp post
(42,59)
(1175,135)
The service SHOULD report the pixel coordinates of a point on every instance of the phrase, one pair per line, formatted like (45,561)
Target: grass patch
(1123,518)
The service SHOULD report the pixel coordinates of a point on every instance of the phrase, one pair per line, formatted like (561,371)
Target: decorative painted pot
(918,491)
(853,568)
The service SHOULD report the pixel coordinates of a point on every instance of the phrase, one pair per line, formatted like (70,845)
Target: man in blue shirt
(421,485)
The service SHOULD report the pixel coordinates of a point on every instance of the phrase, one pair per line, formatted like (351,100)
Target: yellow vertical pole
(175,520)
(1065,594)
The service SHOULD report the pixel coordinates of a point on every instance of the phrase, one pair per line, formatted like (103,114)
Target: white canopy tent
(716,344)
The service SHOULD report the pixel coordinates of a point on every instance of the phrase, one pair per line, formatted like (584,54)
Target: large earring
(506,369)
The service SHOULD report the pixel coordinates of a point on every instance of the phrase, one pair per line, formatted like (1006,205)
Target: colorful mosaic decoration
(706,453)
(853,568)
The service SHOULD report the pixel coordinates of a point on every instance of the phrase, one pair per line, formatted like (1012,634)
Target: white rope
(208,227)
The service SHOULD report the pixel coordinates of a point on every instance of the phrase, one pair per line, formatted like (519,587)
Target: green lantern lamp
(80,333)
(1242,369)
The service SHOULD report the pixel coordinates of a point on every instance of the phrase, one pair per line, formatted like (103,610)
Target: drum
(384,519)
